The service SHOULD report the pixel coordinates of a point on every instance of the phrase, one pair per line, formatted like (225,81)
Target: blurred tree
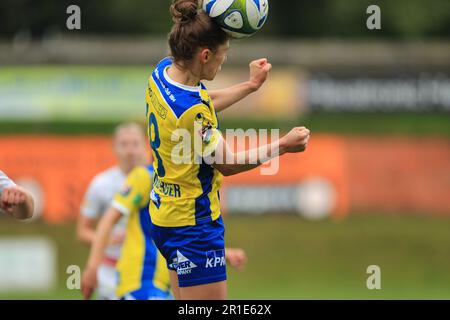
(401,19)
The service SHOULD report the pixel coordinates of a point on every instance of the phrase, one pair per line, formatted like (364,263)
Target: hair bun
(184,11)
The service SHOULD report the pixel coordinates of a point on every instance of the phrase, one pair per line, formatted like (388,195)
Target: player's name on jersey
(168,189)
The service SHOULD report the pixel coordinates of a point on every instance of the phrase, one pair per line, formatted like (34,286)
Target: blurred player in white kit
(129,144)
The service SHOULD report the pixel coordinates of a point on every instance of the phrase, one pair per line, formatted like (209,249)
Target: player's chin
(131,163)
(211,77)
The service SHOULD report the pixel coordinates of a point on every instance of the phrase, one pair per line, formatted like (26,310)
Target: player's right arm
(294,142)
(199,120)
(85,229)
(90,211)
(200,123)
(99,244)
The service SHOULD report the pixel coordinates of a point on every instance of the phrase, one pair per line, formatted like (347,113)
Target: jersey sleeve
(135,192)
(199,123)
(5,182)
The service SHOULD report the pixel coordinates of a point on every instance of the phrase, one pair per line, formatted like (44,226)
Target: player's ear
(205,55)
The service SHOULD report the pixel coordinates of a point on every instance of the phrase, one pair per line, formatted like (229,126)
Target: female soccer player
(186,222)
(141,270)
(129,146)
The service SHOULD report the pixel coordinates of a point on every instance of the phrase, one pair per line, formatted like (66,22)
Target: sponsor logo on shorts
(182,264)
(215,258)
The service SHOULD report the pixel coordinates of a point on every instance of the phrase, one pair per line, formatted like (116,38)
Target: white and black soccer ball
(239,18)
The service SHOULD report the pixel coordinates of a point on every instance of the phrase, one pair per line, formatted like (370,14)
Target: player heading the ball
(187,226)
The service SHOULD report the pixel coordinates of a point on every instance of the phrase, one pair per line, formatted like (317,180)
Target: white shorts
(106,282)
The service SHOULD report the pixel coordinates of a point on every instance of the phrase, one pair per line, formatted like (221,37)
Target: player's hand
(259,70)
(88,282)
(236,258)
(12,197)
(296,140)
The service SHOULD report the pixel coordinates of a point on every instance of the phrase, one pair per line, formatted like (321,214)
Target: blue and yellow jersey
(141,266)
(183,129)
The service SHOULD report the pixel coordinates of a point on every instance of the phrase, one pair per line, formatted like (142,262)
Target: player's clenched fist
(12,197)
(259,70)
(296,140)
(17,202)
(236,257)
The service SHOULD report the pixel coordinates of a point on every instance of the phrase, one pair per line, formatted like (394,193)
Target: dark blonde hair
(193,29)
(129,126)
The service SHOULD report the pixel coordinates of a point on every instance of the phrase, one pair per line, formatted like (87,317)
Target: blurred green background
(402,19)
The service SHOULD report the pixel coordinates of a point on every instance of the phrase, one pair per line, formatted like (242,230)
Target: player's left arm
(17,202)
(99,244)
(225,98)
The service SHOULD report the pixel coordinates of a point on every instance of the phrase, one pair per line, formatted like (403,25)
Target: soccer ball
(239,18)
